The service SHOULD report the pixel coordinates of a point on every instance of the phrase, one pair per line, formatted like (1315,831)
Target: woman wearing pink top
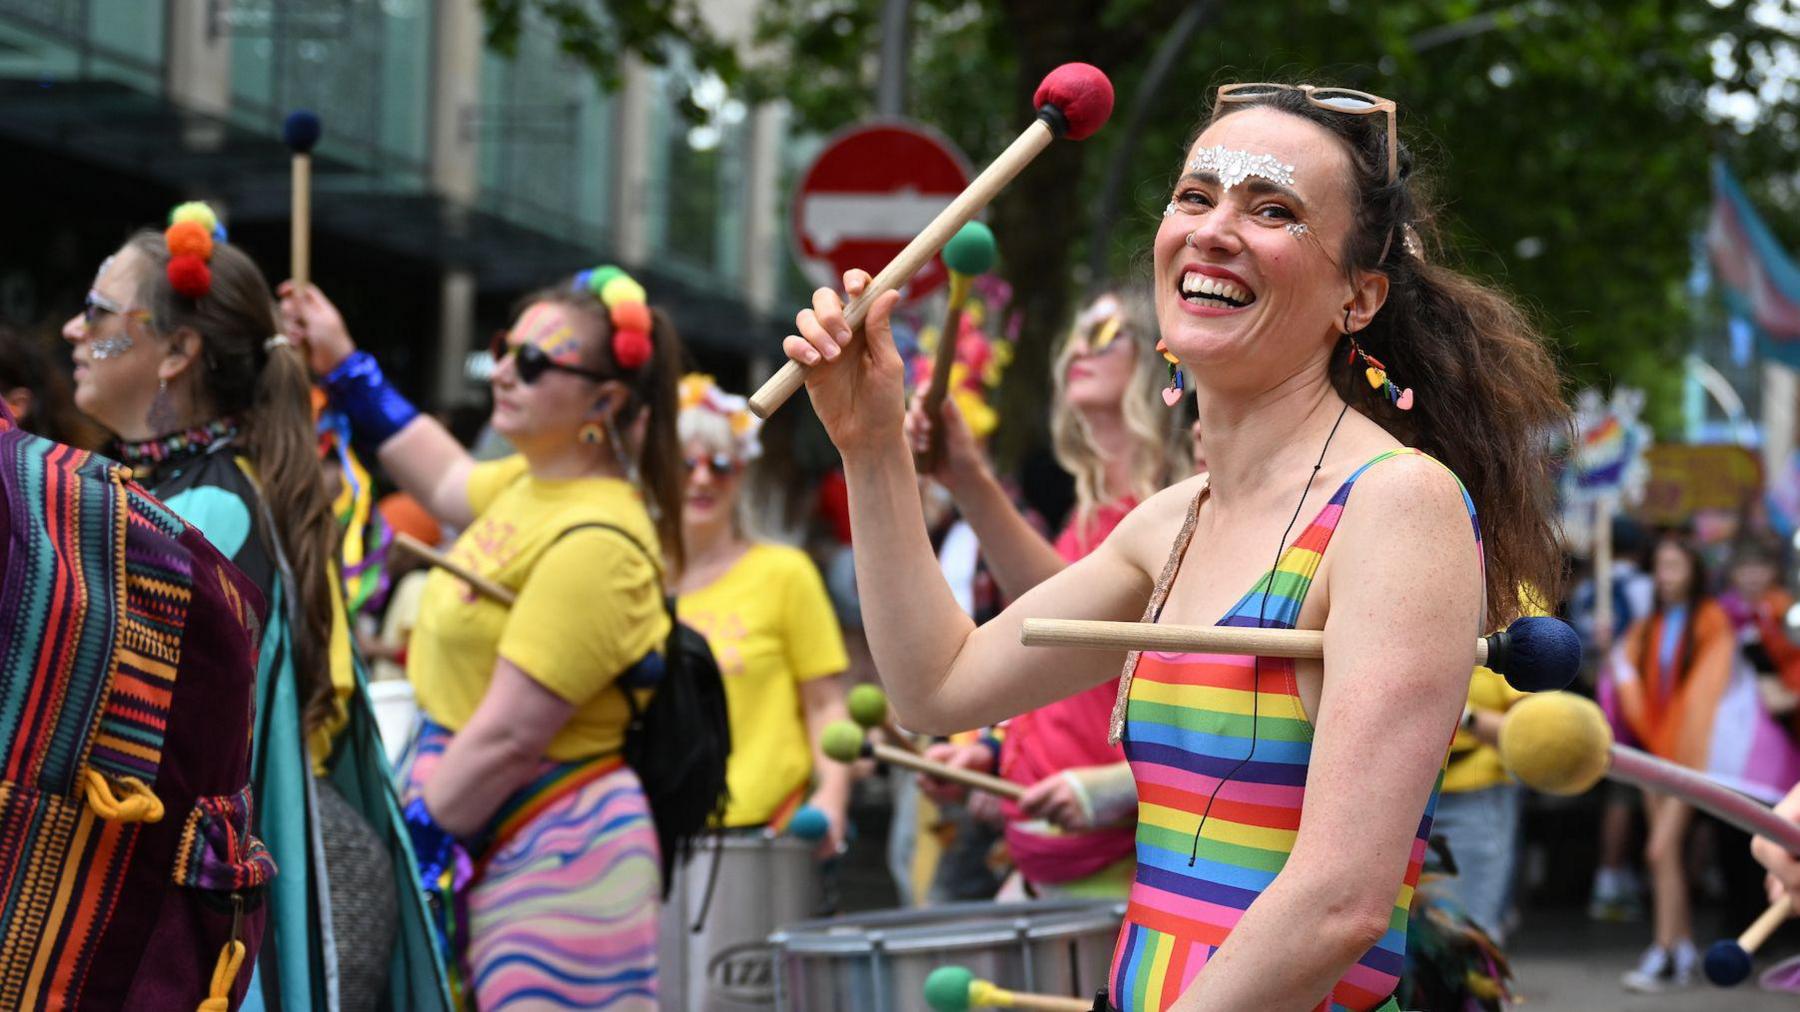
(1072,833)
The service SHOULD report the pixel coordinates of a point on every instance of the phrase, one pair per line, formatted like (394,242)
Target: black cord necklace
(1267,586)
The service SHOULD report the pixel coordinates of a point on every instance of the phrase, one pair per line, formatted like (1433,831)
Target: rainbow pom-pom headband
(192,232)
(627,306)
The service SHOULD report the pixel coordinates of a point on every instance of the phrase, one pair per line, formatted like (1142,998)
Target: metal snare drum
(764,882)
(878,962)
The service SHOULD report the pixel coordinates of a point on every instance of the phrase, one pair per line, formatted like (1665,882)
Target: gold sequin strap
(1153,610)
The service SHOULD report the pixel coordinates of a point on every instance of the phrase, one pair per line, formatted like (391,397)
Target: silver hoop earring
(1191,244)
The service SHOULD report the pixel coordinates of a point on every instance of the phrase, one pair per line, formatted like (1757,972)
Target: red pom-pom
(1081,92)
(189,238)
(631,348)
(631,316)
(189,276)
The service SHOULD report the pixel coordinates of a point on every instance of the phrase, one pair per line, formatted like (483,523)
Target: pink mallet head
(1081,94)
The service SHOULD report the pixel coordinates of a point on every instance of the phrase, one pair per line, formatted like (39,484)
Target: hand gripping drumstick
(1560,743)
(1727,961)
(844,742)
(300,132)
(1534,653)
(969,254)
(1073,101)
(482,585)
(956,989)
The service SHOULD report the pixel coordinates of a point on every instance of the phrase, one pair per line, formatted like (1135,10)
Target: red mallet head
(1075,99)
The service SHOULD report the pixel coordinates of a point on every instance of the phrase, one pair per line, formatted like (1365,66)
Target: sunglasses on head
(1344,100)
(96,307)
(532,362)
(722,465)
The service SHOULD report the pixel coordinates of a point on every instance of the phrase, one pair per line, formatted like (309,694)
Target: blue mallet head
(301,130)
(1727,964)
(1536,654)
(809,824)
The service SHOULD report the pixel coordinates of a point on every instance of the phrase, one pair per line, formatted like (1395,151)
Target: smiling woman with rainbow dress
(1361,404)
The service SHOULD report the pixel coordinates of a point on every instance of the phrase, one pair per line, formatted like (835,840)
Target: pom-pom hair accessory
(627,307)
(700,392)
(193,232)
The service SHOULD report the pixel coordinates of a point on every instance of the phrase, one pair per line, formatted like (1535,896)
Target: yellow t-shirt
(1473,765)
(589,604)
(771,627)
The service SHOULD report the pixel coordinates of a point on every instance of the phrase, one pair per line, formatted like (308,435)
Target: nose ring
(1190,239)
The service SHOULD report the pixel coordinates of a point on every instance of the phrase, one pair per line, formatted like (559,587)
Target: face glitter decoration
(545,326)
(1168,208)
(111,347)
(1298,229)
(1233,166)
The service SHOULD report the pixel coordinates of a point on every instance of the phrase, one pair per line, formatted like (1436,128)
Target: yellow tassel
(139,803)
(225,971)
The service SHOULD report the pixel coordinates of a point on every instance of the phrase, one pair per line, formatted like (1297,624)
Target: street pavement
(1563,962)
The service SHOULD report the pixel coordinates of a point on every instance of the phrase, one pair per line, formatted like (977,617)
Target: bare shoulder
(1145,536)
(1408,545)
(1408,495)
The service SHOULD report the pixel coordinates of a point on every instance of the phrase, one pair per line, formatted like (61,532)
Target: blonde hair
(712,430)
(1141,406)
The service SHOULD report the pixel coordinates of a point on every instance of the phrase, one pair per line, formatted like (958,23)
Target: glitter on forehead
(1233,166)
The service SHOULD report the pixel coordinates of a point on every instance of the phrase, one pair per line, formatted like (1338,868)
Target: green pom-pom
(971,250)
(868,705)
(196,211)
(842,741)
(622,289)
(947,988)
(599,276)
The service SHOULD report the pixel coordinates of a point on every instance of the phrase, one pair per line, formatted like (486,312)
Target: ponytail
(283,449)
(659,459)
(251,374)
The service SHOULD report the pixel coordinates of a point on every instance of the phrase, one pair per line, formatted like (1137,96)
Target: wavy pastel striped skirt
(564,909)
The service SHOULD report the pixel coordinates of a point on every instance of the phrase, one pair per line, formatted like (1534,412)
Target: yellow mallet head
(1556,742)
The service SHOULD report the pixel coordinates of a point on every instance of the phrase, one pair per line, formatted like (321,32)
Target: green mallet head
(947,988)
(842,741)
(868,705)
(971,251)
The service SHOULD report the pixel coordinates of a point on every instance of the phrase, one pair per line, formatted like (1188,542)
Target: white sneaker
(1649,975)
(1685,958)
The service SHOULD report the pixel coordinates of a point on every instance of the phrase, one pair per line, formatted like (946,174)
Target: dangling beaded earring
(1177,383)
(1376,373)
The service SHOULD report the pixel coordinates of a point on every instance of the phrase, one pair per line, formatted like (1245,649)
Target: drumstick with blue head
(1727,962)
(300,132)
(957,989)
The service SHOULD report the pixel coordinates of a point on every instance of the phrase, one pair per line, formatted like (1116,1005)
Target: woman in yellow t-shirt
(764,611)
(520,807)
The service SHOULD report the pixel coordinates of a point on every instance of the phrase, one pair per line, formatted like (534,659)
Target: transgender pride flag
(1761,281)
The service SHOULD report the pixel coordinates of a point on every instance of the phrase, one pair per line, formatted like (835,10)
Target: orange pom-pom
(631,348)
(631,316)
(189,238)
(189,276)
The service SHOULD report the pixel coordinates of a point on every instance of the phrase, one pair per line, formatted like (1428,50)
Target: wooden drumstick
(1534,653)
(1727,962)
(484,586)
(957,989)
(300,132)
(844,741)
(969,254)
(1073,101)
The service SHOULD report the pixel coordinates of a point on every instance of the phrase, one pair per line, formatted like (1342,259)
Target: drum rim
(928,928)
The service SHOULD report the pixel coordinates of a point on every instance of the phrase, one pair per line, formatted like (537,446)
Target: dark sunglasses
(532,362)
(722,465)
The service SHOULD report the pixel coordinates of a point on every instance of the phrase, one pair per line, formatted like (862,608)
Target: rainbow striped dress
(1189,724)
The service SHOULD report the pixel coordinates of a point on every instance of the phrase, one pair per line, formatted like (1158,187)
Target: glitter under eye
(110,347)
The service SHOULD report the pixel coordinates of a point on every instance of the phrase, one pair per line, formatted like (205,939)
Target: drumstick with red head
(957,989)
(1073,101)
(845,742)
